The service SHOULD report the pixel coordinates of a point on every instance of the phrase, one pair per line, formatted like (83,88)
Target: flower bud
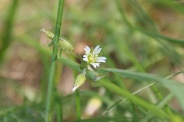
(81,78)
(65,45)
(48,33)
(62,44)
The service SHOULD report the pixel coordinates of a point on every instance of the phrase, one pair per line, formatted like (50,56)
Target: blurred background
(137,35)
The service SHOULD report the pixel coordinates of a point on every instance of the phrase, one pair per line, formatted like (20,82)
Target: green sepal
(59,53)
(79,56)
(83,65)
(51,44)
(65,45)
(81,78)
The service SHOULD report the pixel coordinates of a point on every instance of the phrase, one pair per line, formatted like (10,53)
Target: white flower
(92,56)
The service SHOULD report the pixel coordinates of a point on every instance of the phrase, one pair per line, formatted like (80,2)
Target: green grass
(142,79)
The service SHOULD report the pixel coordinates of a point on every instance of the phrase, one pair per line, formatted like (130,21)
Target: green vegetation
(141,80)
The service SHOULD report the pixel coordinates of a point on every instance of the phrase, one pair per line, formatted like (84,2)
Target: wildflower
(92,56)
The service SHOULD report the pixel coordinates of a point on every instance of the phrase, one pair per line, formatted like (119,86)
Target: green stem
(58,106)
(78,104)
(53,60)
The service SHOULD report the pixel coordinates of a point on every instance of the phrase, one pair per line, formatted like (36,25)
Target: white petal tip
(74,89)
(43,30)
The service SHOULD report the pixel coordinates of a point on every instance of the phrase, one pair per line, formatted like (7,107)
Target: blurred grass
(8,27)
(136,36)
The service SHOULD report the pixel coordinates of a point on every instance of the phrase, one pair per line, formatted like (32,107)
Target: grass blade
(173,86)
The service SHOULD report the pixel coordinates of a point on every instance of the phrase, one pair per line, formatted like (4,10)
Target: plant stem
(78,104)
(58,106)
(53,60)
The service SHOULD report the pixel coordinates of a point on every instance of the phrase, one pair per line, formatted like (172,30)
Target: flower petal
(85,59)
(95,64)
(96,50)
(87,50)
(85,56)
(101,59)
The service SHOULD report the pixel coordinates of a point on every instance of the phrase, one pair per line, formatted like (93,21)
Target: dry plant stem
(53,60)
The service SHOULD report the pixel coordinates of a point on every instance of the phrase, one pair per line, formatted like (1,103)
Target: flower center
(91,58)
